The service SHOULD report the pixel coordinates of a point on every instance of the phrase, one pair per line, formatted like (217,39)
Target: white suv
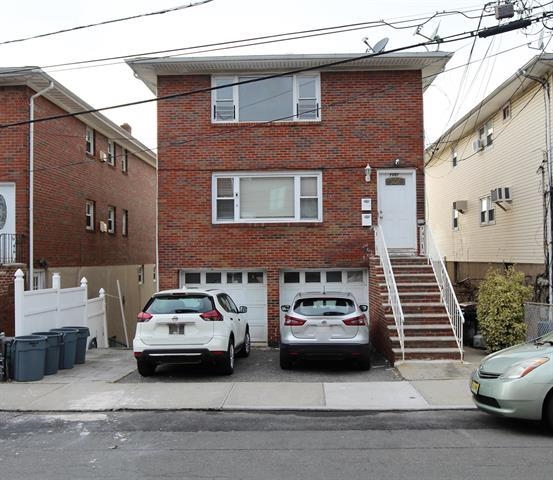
(190,326)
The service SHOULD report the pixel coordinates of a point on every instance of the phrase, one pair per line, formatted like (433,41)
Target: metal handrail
(454,312)
(11,248)
(393,295)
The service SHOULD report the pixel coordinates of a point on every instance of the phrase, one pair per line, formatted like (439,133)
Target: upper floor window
(124,160)
(89,140)
(111,219)
(454,159)
(485,134)
(89,215)
(125,223)
(262,197)
(487,211)
(111,153)
(506,112)
(284,98)
(455,219)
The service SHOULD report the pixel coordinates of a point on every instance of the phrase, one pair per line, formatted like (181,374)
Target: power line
(106,22)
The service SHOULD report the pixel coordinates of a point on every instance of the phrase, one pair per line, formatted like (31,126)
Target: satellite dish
(380,45)
(540,45)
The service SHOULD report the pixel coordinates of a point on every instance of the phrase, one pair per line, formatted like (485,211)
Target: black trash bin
(82,335)
(68,347)
(53,346)
(28,356)
(470,327)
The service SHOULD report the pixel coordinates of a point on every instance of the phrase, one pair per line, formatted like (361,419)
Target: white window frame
(111,219)
(89,215)
(454,158)
(295,98)
(487,206)
(297,176)
(111,153)
(506,112)
(125,223)
(485,134)
(455,219)
(89,140)
(124,160)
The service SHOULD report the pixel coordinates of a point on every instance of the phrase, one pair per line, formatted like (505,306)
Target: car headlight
(523,368)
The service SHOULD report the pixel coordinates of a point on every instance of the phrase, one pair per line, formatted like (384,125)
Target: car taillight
(293,321)
(355,321)
(211,316)
(144,316)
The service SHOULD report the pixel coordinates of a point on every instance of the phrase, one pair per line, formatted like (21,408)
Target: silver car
(329,324)
(517,382)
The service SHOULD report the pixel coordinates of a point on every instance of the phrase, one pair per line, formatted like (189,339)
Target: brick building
(94,194)
(269,186)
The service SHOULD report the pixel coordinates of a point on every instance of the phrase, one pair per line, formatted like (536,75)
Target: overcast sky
(453,93)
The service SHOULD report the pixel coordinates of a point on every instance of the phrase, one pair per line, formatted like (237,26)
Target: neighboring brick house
(94,188)
(261,182)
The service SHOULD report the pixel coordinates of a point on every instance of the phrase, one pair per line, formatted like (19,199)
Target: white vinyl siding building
(492,233)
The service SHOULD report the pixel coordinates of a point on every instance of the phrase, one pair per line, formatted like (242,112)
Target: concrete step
(429,330)
(419,307)
(426,342)
(428,354)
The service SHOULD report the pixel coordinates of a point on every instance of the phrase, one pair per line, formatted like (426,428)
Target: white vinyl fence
(41,310)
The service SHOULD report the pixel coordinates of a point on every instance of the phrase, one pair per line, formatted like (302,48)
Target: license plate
(474,387)
(176,329)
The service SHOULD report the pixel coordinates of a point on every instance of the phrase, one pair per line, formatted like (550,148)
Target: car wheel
(364,362)
(548,410)
(227,365)
(145,368)
(285,361)
(246,346)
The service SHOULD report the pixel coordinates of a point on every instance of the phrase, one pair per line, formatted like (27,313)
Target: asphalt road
(263,366)
(267,446)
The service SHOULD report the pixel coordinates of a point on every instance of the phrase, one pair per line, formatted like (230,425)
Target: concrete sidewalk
(92,387)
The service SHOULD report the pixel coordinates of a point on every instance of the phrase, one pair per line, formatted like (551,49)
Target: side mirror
(363,308)
(285,308)
(242,309)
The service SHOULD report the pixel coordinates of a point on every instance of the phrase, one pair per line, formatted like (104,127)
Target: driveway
(263,366)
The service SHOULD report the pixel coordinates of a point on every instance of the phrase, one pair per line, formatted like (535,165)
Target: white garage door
(247,287)
(344,280)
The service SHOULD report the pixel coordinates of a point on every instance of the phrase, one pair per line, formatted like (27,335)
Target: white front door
(397,208)
(7,222)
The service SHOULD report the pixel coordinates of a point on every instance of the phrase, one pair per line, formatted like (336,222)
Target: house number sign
(3,212)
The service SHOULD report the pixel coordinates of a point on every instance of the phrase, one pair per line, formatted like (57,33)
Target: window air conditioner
(103,156)
(460,206)
(103,227)
(501,194)
(477,145)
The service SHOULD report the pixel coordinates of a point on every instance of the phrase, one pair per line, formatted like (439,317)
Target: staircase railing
(393,295)
(430,250)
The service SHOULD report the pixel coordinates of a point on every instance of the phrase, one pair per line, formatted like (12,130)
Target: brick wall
(367,117)
(7,312)
(65,177)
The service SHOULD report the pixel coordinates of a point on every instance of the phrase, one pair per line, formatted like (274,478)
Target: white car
(190,326)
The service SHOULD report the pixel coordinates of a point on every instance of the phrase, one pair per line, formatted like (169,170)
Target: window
(291,277)
(111,219)
(334,277)
(255,277)
(487,211)
(89,215)
(213,277)
(125,223)
(284,98)
(355,276)
(485,134)
(89,141)
(279,197)
(124,160)
(111,153)
(455,219)
(234,277)
(39,279)
(193,278)
(506,112)
(454,157)
(141,274)
(312,277)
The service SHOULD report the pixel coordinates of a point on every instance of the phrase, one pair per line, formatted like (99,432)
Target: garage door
(247,287)
(344,280)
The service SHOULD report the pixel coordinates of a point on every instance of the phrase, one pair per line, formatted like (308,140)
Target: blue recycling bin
(82,335)
(68,347)
(28,356)
(53,346)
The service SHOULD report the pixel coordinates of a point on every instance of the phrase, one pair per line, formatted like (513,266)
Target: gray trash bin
(53,346)
(68,347)
(82,335)
(28,356)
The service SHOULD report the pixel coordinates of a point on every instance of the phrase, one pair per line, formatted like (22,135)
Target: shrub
(500,309)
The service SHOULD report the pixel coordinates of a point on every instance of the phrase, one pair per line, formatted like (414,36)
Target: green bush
(500,309)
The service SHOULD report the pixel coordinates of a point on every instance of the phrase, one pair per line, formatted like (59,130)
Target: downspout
(31,178)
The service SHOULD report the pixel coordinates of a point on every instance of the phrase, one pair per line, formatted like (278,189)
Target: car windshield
(312,307)
(179,304)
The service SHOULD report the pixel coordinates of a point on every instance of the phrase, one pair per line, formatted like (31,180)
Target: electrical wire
(106,22)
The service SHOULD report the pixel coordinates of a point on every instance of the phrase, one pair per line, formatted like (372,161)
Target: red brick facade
(367,117)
